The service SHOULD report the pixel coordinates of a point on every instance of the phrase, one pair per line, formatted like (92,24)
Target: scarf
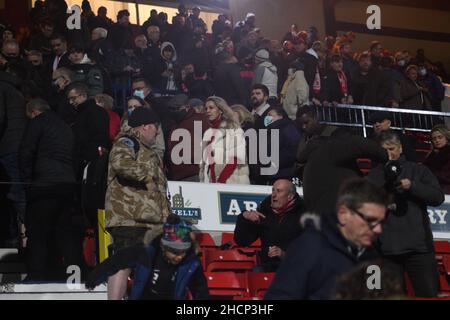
(288,206)
(343,81)
(316,84)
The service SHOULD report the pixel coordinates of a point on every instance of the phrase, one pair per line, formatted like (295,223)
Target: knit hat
(177,102)
(262,54)
(195,103)
(176,233)
(249,15)
(142,116)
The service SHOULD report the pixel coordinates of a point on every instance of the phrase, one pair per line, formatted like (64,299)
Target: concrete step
(51,291)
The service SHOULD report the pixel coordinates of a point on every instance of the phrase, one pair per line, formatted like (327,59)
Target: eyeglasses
(370,222)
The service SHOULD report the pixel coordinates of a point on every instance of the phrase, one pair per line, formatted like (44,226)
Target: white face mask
(268,120)
(139,93)
(401,63)
(291,72)
(423,72)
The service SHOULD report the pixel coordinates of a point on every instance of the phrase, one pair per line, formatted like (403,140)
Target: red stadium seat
(258,283)
(226,285)
(442,247)
(228,260)
(205,240)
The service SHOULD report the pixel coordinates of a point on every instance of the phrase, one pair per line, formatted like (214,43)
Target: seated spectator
(329,248)
(414,94)
(164,270)
(223,146)
(438,161)
(107,102)
(197,104)
(295,92)
(275,222)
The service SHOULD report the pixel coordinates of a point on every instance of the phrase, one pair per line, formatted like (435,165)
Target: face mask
(139,93)
(268,120)
(290,72)
(130,111)
(401,63)
(423,72)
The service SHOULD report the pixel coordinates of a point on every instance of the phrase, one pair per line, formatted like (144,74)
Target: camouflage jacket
(137,187)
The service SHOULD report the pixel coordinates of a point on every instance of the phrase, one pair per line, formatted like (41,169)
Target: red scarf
(316,84)
(343,81)
(216,123)
(288,206)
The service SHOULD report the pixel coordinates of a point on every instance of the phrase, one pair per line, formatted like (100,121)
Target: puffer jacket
(266,74)
(295,93)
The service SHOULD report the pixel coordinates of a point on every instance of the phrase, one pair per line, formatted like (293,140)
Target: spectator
(407,240)
(266,74)
(194,19)
(41,41)
(223,146)
(46,163)
(102,20)
(227,81)
(121,34)
(167,70)
(183,164)
(151,21)
(201,87)
(260,106)
(166,269)
(198,105)
(275,222)
(243,117)
(295,92)
(336,86)
(331,247)
(376,50)
(414,94)
(350,65)
(99,47)
(60,58)
(107,102)
(438,161)
(436,91)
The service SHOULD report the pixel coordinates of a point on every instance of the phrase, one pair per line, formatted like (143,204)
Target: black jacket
(274,230)
(229,84)
(331,88)
(330,164)
(407,229)
(46,151)
(313,263)
(13,118)
(371,89)
(91,130)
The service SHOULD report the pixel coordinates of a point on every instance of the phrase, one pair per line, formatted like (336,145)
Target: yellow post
(104,238)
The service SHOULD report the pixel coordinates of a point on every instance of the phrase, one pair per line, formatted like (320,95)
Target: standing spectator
(99,47)
(194,19)
(151,21)
(436,90)
(102,20)
(167,70)
(414,94)
(336,85)
(46,162)
(350,65)
(295,92)
(259,100)
(62,78)
(329,248)
(438,161)
(41,41)
(266,74)
(223,146)
(376,50)
(407,239)
(60,57)
(227,81)
(121,33)
(275,222)
(136,198)
(107,102)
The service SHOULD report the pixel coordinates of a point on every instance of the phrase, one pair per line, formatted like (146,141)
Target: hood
(269,65)
(167,44)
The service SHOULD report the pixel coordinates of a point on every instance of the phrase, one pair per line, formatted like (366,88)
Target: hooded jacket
(171,83)
(266,74)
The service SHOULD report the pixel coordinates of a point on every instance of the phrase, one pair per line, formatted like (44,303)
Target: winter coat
(13,118)
(90,74)
(437,90)
(412,97)
(438,161)
(407,228)
(229,85)
(296,94)
(172,83)
(226,155)
(371,89)
(274,230)
(46,151)
(313,263)
(331,88)
(266,74)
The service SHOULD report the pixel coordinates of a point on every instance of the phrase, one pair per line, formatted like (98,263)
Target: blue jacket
(189,276)
(312,264)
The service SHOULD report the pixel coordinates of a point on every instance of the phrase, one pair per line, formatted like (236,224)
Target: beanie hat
(176,233)
(177,102)
(142,116)
(262,54)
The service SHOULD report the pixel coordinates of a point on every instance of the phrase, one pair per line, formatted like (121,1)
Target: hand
(275,251)
(405,184)
(253,216)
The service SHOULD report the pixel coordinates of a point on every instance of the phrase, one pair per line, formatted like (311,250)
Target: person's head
(336,62)
(8,34)
(11,49)
(168,51)
(259,95)
(360,211)
(274,115)
(197,104)
(440,136)
(365,62)
(141,87)
(390,141)
(77,94)
(62,77)
(99,33)
(134,103)
(145,122)
(308,120)
(76,53)
(162,17)
(140,41)
(182,9)
(35,107)
(412,72)
(123,17)
(86,6)
(381,122)
(283,192)
(59,44)
(299,45)
(102,12)
(345,49)
(35,58)
(47,29)
(250,19)
(294,29)
(400,58)
(178,106)
(153,33)
(376,49)
(242,115)
(176,240)
(216,108)
(154,14)
(262,55)
(196,11)
(105,101)
(252,38)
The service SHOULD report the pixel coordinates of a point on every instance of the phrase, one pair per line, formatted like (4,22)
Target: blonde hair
(105,100)
(442,129)
(227,113)
(244,114)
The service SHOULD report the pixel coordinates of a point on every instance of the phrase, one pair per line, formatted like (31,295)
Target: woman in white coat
(295,92)
(223,146)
